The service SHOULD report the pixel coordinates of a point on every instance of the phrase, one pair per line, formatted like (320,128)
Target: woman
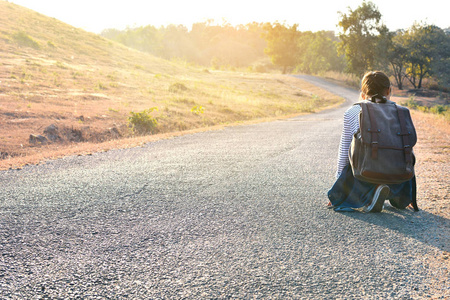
(348,192)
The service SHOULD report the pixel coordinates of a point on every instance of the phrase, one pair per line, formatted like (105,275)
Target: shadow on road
(423,226)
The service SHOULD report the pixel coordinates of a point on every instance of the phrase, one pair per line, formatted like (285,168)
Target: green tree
(397,53)
(282,44)
(176,43)
(146,39)
(361,33)
(318,52)
(111,33)
(225,45)
(441,69)
(427,47)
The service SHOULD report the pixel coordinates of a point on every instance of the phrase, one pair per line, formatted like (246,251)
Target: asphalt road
(235,213)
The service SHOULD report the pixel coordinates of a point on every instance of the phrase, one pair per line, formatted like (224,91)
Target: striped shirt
(351,126)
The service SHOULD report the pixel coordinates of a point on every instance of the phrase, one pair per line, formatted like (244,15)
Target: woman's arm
(351,126)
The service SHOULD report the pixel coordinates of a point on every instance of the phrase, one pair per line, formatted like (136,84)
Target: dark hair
(375,85)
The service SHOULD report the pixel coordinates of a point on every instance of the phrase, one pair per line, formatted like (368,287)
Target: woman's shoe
(381,194)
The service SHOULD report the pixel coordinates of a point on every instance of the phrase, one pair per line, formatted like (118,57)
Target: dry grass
(52,73)
(433,168)
(347,79)
(433,180)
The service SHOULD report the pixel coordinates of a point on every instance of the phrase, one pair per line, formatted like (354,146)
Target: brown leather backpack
(381,151)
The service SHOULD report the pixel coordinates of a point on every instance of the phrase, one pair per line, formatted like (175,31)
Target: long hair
(375,85)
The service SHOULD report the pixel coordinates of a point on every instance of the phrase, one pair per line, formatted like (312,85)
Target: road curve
(235,213)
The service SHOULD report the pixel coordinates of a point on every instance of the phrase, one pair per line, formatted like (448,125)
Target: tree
(427,46)
(146,39)
(282,44)
(225,45)
(176,43)
(208,41)
(318,52)
(397,53)
(441,65)
(111,33)
(362,31)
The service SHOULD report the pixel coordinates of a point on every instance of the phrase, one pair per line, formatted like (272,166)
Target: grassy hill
(89,88)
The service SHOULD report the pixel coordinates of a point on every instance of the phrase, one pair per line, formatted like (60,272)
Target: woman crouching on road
(348,192)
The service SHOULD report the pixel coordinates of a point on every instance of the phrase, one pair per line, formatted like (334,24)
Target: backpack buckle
(374,150)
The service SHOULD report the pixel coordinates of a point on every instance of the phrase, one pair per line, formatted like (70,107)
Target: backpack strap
(414,194)
(373,130)
(405,135)
(408,150)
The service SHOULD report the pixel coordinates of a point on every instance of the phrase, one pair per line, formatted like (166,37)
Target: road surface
(238,213)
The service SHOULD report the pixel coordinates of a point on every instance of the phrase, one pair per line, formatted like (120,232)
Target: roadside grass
(87,85)
(433,191)
(442,110)
(349,80)
(433,168)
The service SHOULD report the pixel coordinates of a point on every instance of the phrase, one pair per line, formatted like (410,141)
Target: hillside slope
(87,86)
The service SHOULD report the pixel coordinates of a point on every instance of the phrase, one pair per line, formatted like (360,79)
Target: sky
(313,15)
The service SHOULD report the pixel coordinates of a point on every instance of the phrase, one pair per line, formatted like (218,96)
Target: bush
(101,86)
(198,109)
(442,110)
(25,40)
(411,102)
(177,87)
(143,122)
(439,109)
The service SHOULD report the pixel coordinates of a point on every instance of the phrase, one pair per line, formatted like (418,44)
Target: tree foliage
(318,53)
(206,42)
(282,44)
(420,51)
(416,53)
(361,34)
(397,53)
(427,48)
(364,43)
(310,52)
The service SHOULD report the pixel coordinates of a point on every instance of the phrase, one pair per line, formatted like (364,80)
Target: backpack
(381,150)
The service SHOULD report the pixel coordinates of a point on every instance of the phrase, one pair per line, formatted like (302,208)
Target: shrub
(198,109)
(423,108)
(177,87)
(436,109)
(411,102)
(25,40)
(439,109)
(101,86)
(61,65)
(76,74)
(112,77)
(143,122)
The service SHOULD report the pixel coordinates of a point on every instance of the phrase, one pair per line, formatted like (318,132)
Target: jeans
(348,192)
